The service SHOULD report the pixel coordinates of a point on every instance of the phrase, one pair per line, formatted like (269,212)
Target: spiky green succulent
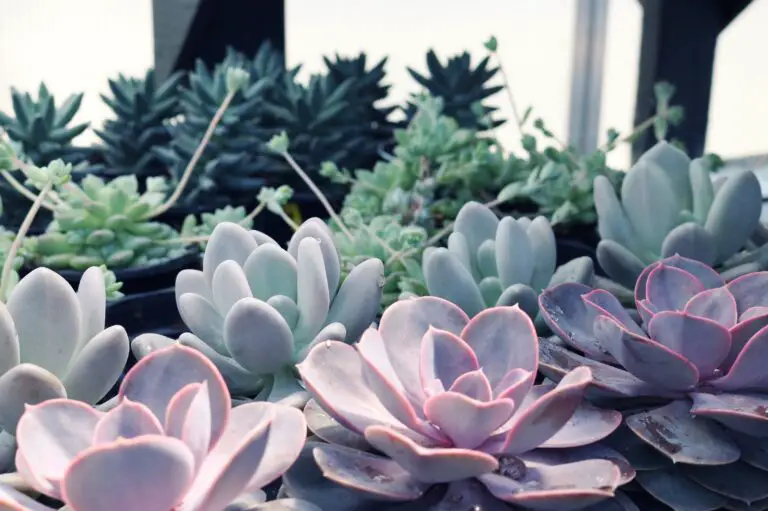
(103,223)
(142,109)
(42,128)
(462,87)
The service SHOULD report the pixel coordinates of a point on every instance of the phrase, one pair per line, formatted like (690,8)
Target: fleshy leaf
(316,229)
(676,433)
(271,271)
(229,285)
(692,241)
(467,422)
(678,491)
(670,288)
(746,413)
(203,320)
(228,241)
(447,278)
(313,297)
(25,384)
(359,298)
(717,304)
(98,366)
(126,420)
(445,357)
(514,253)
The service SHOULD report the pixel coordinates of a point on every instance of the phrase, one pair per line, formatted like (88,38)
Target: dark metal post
(187,30)
(678,46)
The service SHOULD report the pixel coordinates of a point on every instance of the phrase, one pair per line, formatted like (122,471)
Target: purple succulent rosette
(451,408)
(702,348)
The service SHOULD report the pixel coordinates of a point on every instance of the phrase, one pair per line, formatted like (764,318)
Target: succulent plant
(226,166)
(55,344)
(700,351)
(670,206)
(491,262)
(40,127)
(172,442)
(449,401)
(208,222)
(104,223)
(142,108)
(255,308)
(461,87)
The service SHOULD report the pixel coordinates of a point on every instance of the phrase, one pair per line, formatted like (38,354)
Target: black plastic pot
(145,278)
(577,241)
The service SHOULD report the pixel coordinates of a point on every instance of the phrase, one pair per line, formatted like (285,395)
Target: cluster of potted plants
(428,346)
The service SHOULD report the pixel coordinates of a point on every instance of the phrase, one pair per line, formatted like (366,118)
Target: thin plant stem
(23,190)
(253,214)
(25,225)
(279,212)
(319,194)
(168,204)
(505,78)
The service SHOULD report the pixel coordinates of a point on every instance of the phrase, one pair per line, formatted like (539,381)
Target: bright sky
(76,45)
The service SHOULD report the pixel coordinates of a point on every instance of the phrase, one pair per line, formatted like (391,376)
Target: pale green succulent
(256,309)
(491,262)
(103,223)
(669,205)
(192,228)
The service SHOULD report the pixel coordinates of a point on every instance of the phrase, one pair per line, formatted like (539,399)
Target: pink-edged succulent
(701,348)
(451,403)
(172,443)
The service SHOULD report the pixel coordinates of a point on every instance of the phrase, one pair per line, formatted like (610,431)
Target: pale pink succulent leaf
(745,413)
(178,407)
(646,310)
(586,426)
(327,428)
(708,277)
(139,465)
(155,379)
(740,336)
(555,362)
(674,432)
(571,486)
(333,374)
(566,313)
(702,342)
(227,469)
(98,365)
(670,288)
(198,419)
(645,358)
(382,380)
(753,312)
(717,304)
(430,465)
(595,451)
(127,420)
(515,385)
(503,338)
(749,290)
(466,421)
(404,324)
(25,384)
(368,473)
(13,500)
(474,385)
(444,357)
(748,372)
(535,423)
(258,337)
(604,303)
(44,451)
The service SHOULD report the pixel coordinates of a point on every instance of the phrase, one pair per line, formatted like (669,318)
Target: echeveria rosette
(701,350)
(171,443)
(255,309)
(450,403)
(491,262)
(53,344)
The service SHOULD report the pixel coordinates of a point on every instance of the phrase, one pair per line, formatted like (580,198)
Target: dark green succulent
(40,127)
(367,91)
(226,170)
(462,87)
(142,110)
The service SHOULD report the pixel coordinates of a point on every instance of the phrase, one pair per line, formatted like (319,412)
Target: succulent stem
(282,214)
(319,194)
(168,204)
(508,89)
(25,225)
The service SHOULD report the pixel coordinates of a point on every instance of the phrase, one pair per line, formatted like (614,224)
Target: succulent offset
(669,205)
(171,443)
(142,110)
(105,223)
(449,401)
(700,353)
(492,262)
(255,309)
